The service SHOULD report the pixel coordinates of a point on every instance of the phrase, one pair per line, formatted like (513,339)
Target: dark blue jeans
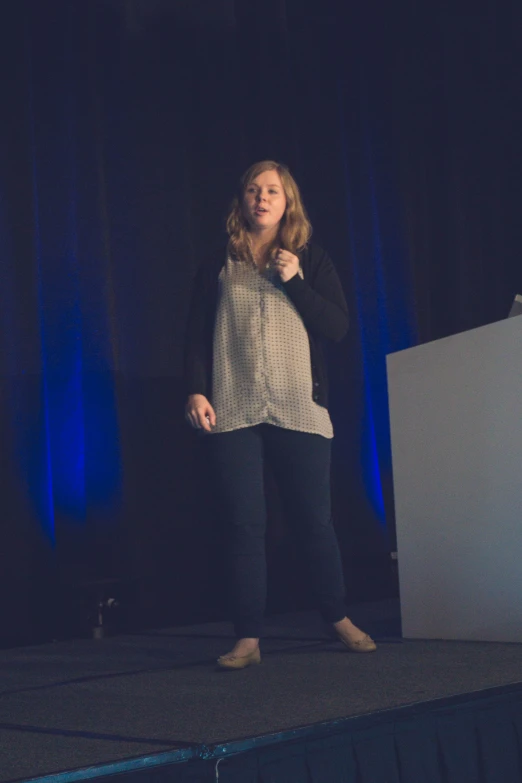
(301,465)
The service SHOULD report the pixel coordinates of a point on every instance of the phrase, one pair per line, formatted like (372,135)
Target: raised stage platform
(151,708)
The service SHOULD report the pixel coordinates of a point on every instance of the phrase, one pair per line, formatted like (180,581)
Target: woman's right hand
(200,413)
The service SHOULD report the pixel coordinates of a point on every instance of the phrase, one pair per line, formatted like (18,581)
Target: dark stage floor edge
(152,708)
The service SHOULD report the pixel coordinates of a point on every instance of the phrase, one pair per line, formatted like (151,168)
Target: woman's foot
(352,637)
(244,653)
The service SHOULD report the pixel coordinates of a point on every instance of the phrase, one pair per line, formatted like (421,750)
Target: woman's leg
(238,463)
(301,464)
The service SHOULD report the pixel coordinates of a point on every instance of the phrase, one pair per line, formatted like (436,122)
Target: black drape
(125,126)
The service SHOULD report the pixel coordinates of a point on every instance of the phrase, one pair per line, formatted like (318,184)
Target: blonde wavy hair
(295,229)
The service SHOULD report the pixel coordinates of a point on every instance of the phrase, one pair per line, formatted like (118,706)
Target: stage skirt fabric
(475,740)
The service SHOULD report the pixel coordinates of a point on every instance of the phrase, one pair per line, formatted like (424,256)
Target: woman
(257,385)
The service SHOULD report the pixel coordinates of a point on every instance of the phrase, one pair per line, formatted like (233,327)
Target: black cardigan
(318,298)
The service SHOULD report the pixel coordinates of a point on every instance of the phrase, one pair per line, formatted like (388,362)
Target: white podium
(456,429)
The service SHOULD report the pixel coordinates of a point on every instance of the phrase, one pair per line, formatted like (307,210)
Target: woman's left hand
(286,264)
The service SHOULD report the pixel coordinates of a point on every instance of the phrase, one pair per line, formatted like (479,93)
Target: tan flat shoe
(239,661)
(364,645)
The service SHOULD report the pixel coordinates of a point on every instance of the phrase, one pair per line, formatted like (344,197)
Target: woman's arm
(195,355)
(322,307)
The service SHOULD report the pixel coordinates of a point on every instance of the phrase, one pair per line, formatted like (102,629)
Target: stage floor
(79,703)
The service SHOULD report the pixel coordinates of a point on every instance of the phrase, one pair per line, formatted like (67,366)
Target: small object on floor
(239,662)
(364,645)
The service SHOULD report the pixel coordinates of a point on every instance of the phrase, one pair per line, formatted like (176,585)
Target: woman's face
(264,202)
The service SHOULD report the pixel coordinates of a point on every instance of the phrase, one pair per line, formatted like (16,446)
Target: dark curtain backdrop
(125,125)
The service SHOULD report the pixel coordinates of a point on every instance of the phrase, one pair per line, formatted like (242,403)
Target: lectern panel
(456,427)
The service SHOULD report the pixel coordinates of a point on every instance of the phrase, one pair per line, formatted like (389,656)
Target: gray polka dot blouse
(261,356)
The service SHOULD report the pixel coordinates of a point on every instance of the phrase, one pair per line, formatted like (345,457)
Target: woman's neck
(261,242)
